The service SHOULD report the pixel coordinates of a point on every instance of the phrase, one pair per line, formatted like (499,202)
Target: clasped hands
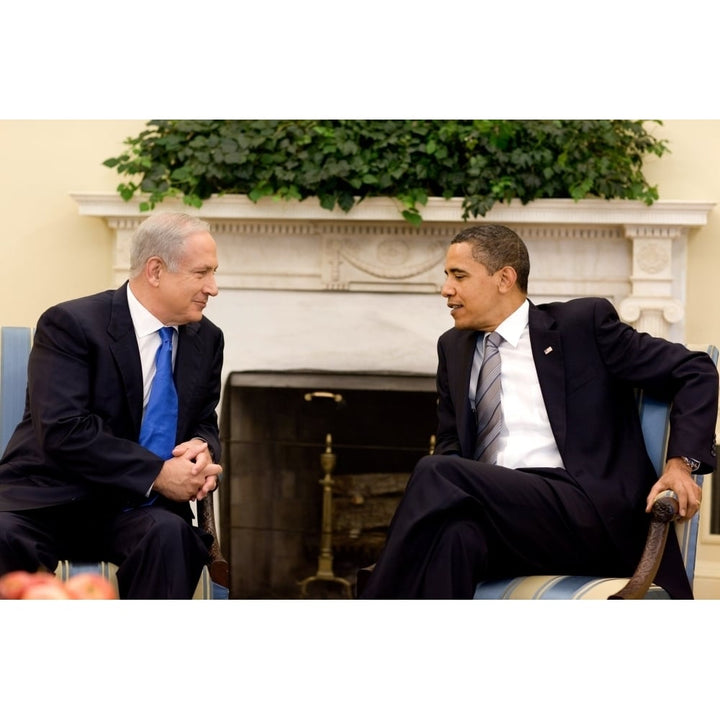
(190,474)
(678,478)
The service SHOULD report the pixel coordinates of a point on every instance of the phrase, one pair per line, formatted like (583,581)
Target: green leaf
(412,216)
(337,161)
(126,191)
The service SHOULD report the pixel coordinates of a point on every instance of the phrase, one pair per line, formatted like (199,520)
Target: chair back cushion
(14,352)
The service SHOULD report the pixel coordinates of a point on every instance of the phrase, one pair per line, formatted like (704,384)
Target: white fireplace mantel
(301,286)
(547,212)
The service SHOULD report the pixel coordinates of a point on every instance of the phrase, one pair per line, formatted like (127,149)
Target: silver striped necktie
(488,411)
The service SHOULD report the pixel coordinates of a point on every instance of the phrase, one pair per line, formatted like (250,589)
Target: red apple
(90,586)
(14,584)
(47,588)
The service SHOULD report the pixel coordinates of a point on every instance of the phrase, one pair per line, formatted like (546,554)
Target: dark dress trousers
(76,447)
(461,520)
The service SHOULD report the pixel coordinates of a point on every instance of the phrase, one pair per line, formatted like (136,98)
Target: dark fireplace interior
(275,428)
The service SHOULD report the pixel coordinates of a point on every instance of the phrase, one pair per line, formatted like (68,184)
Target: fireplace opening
(276,428)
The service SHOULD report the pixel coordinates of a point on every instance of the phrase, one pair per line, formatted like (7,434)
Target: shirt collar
(511,328)
(144,321)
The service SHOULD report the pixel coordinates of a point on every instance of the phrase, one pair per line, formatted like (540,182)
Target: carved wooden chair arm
(219,568)
(664,511)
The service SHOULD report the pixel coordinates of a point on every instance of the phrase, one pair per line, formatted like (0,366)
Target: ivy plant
(341,162)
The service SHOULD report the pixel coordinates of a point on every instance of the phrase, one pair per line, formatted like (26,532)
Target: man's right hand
(183,479)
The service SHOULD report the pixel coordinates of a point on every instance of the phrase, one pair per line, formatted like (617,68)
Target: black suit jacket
(587,380)
(79,434)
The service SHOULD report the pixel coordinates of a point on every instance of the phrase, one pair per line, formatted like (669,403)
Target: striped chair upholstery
(66,569)
(654,416)
(15,345)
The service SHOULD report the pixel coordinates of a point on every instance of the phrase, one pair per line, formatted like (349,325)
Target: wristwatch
(692,464)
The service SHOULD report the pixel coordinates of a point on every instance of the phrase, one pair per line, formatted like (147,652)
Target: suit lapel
(547,351)
(460,390)
(187,367)
(123,346)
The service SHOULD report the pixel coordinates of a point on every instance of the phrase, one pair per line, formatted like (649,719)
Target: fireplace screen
(277,428)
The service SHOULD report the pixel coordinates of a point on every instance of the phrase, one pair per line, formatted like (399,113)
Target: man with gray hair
(120,428)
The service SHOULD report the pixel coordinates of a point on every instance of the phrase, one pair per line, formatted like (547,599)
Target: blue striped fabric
(14,352)
(557,587)
(205,590)
(66,569)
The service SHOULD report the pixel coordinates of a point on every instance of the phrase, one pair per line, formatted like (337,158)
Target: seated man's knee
(433,463)
(431,467)
(11,528)
(6,523)
(169,526)
(20,547)
(6,534)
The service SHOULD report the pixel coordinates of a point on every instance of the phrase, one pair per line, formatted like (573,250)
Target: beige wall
(690,172)
(50,253)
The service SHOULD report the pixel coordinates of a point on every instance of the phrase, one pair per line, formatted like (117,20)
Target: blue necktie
(159,425)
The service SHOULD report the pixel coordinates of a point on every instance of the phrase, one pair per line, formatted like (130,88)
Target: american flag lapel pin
(548,350)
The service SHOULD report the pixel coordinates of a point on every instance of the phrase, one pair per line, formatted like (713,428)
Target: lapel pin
(547,350)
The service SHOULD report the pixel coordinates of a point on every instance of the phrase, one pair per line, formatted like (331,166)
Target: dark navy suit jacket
(79,434)
(587,379)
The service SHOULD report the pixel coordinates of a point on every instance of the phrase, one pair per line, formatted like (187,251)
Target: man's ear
(153,269)
(507,277)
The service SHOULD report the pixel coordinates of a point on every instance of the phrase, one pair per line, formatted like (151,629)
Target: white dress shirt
(526,438)
(148,339)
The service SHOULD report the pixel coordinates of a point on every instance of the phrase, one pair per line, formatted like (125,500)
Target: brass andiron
(325,558)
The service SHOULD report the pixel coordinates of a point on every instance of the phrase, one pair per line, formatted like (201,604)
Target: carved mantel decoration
(359,275)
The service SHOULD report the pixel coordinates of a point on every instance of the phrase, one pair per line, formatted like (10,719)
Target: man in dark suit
(568,485)
(75,481)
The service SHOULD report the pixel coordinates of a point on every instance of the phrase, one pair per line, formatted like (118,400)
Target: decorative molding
(632,253)
(543,212)
(653,257)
